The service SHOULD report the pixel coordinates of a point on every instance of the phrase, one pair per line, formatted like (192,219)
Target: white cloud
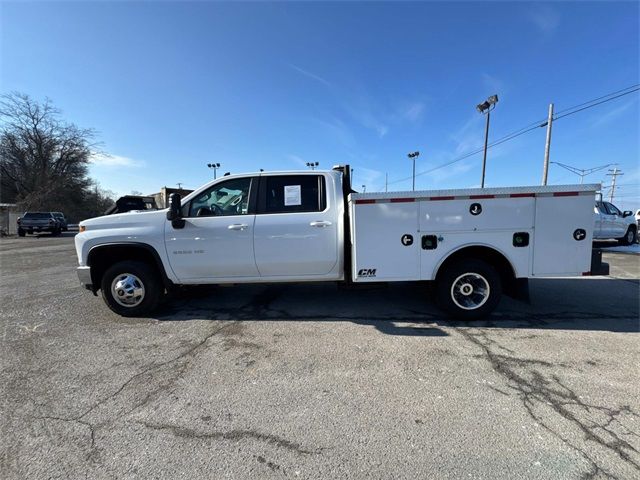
(109,160)
(612,114)
(414,111)
(309,74)
(545,18)
(297,160)
(369,177)
(492,84)
(470,136)
(368,120)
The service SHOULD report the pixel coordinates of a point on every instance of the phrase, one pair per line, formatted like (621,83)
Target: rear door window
(292,193)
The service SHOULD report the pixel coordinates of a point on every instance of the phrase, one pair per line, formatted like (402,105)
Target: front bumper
(84,274)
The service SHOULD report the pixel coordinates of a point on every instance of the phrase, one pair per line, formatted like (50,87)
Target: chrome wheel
(127,290)
(630,236)
(470,291)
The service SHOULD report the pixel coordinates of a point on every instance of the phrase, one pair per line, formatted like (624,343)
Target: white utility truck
(309,226)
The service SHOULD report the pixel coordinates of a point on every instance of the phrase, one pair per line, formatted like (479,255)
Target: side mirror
(175,207)
(627,213)
(174,214)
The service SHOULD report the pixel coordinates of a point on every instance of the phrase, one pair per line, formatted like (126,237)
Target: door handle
(238,226)
(320,223)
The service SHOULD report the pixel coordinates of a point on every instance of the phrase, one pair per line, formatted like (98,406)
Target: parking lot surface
(315,381)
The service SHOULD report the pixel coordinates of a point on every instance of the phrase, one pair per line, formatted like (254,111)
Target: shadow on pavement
(597,304)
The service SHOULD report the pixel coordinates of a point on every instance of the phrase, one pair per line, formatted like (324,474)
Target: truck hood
(124,220)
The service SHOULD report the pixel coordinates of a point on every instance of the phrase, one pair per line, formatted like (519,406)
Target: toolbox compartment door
(563,234)
(386,243)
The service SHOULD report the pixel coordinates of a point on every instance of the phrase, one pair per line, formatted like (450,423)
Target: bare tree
(43,159)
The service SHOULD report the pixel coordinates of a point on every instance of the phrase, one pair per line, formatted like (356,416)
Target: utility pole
(364,188)
(614,173)
(413,157)
(547,146)
(386,182)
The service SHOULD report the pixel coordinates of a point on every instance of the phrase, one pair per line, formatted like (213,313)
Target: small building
(162,197)
(9,215)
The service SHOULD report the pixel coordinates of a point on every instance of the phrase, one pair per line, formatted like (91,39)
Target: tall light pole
(364,188)
(583,172)
(215,167)
(486,107)
(413,157)
(312,165)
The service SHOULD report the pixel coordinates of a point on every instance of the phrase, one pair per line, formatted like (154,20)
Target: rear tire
(21,232)
(468,289)
(629,238)
(131,289)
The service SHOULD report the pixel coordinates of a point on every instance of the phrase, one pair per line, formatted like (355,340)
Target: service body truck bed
(542,231)
(309,226)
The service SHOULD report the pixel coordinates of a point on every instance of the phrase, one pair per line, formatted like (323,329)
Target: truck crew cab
(309,226)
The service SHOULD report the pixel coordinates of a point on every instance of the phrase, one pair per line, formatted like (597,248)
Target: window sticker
(292,195)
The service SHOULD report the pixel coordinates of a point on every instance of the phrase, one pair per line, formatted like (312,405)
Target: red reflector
(521,195)
(480,197)
(442,198)
(566,194)
(360,202)
(586,274)
(402,200)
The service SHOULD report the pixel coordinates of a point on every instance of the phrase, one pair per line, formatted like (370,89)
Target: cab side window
(222,199)
(292,193)
(613,210)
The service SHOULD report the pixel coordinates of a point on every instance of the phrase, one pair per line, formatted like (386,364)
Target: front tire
(131,289)
(629,238)
(469,289)
(21,232)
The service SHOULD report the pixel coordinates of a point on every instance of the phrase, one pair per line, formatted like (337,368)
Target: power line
(532,126)
(599,98)
(598,103)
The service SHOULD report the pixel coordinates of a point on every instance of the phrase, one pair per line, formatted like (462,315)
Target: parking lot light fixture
(313,165)
(413,157)
(486,107)
(215,167)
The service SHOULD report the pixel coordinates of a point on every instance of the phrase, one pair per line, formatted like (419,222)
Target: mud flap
(518,289)
(598,267)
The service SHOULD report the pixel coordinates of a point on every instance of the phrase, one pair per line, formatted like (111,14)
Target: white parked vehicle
(611,223)
(310,226)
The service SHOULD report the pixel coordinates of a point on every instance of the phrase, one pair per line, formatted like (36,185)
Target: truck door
(217,239)
(601,227)
(296,227)
(618,227)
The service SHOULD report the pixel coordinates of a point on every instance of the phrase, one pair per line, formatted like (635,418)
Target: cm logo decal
(367,272)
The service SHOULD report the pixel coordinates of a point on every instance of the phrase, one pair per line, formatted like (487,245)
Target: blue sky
(171,87)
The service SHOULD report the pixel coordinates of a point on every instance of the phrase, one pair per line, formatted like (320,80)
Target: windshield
(37,215)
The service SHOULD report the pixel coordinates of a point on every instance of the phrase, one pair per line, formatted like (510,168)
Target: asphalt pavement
(315,381)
